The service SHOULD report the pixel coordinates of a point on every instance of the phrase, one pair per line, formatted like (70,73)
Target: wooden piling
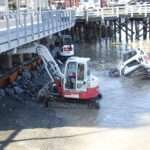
(126,28)
(119,29)
(115,30)
(144,28)
(137,29)
(132,32)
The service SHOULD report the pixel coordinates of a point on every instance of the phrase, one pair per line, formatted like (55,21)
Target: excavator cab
(75,74)
(78,81)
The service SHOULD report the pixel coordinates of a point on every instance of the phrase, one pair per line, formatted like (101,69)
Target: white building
(23,4)
(90,2)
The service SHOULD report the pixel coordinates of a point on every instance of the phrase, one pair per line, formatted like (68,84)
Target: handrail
(20,27)
(116,11)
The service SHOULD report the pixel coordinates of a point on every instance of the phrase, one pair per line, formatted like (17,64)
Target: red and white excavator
(135,60)
(75,82)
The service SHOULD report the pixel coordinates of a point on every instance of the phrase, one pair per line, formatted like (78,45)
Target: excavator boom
(43,52)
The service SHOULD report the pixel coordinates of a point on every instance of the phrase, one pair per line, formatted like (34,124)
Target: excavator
(74,81)
(135,60)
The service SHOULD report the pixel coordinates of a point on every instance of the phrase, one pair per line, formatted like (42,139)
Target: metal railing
(127,10)
(18,28)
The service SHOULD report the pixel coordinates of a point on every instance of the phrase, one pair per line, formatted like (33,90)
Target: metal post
(32,29)
(137,29)
(115,30)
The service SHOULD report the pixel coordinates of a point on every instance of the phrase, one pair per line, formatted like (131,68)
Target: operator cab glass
(70,82)
(75,76)
(81,77)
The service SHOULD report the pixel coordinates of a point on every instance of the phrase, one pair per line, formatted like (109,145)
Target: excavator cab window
(81,77)
(71,76)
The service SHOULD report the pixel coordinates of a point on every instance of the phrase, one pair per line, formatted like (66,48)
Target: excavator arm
(43,52)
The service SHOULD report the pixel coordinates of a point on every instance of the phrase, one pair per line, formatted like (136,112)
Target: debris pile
(27,85)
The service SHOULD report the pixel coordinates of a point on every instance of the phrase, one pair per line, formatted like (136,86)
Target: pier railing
(21,27)
(114,11)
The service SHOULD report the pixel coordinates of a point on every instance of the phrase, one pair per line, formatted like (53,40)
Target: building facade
(23,4)
(72,3)
(98,3)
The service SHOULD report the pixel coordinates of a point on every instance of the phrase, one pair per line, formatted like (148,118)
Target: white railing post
(140,10)
(8,28)
(32,29)
(102,13)
(113,12)
(17,27)
(25,25)
(131,8)
(145,9)
(117,11)
(126,9)
(86,16)
(70,17)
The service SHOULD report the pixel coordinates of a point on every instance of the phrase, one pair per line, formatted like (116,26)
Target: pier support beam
(144,28)
(119,29)
(132,30)
(126,26)
(115,30)
(137,29)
